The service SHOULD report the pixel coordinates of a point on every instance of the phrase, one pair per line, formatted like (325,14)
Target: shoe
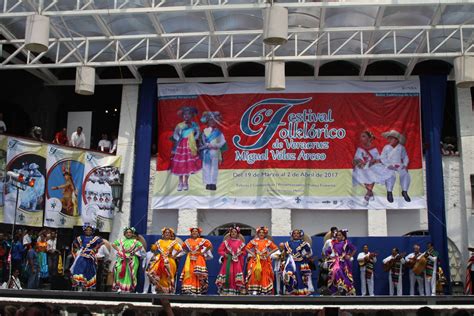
(405,196)
(180,187)
(208,186)
(212,187)
(390,197)
(185,187)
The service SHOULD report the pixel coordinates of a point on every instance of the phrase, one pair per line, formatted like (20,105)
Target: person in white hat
(395,158)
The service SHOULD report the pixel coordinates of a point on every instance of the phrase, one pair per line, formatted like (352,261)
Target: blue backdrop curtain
(433,97)
(143,141)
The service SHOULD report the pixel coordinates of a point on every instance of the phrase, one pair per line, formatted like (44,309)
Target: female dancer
(185,156)
(297,273)
(368,168)
(230,280)
(194,275)
(126,267)
(162,271)
(84,268)
(340,259)
(259,265)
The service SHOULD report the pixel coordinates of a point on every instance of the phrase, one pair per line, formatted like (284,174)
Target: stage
(114,303)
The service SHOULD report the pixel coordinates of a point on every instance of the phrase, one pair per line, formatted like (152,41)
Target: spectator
(78,139)
(26,237)
(33,267)
(18,250)
(61,137)
(14,282)
(3,127)
(53,253)
(4,250)
(105,144)
(37,133)
(113,150)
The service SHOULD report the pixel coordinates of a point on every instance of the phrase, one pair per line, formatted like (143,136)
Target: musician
(411,260)
(367,262)
(394,265)
(431,269)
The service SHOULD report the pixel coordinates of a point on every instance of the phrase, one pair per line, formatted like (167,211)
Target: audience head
(425,311)
(79,130)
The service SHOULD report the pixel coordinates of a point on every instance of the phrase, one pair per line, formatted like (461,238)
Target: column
(377,222)
(465,115)
(125,149)
(187,218)
(281,221)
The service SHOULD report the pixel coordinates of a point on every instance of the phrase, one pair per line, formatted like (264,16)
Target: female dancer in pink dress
(230,280)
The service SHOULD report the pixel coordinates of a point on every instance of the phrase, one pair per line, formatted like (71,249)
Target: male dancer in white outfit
(394,156)
(145,263)
(366,261)
(212,141)
(411,259)
(395,274)
(431,270)
(277,270)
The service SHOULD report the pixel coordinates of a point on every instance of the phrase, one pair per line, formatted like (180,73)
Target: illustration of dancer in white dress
(368,169)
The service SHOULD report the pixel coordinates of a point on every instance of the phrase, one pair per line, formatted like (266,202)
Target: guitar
(364,260)
(389,265)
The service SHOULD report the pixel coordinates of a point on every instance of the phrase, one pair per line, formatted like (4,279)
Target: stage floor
(101,301)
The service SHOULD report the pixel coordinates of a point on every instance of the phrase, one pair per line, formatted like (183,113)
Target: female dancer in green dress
(128,250)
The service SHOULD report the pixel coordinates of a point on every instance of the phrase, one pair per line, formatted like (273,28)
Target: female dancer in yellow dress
(194,276)
(259,265)
(162,271)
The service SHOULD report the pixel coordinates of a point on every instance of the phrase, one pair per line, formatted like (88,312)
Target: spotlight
(275,25)
(106,111)
(464,71)
(85,80)
(37,33)
(115,110)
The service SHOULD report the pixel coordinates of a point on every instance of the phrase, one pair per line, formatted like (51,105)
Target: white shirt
(78,140)
(51,244)
(103,252)
(3,127)
(26,239)
(362,256)
(114,146)
(104,144)
(394,155)
(402,260)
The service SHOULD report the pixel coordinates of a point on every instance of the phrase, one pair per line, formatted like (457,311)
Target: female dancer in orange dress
(194,275)
(259,265)
(163,268)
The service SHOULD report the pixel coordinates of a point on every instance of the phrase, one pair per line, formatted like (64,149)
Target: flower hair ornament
(208,115)
(199,229)
(167,228)
(86,225)
(237,228)
(132,229)
(187,109)
(262,228)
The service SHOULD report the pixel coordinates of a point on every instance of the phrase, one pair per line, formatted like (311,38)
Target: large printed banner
(65,172)
(29,159)
(3,173)
(317,145)
(101,174)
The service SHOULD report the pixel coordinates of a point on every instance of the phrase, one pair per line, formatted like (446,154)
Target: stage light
(85,80)
(275,25)
(106,111)
(37,33)
(275,75)
(464,71)
(115,110)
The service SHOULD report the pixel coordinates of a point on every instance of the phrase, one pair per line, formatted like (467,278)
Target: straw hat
(396,134)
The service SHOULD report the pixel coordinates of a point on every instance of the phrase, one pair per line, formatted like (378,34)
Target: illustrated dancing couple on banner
(370,167)
(193,149)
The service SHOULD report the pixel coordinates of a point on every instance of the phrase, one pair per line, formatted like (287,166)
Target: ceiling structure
(129,34)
